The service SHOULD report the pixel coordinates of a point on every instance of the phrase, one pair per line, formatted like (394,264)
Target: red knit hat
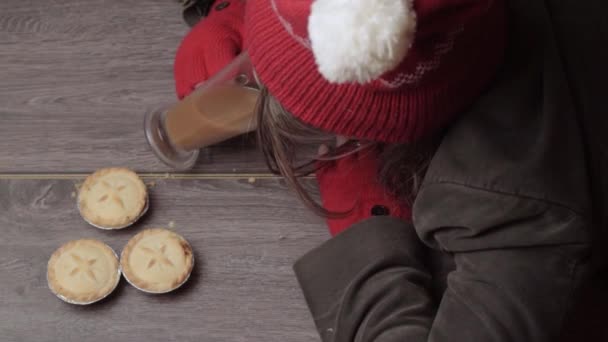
(390,70)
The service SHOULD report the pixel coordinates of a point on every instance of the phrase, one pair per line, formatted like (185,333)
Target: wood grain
(245,237)
(77,77)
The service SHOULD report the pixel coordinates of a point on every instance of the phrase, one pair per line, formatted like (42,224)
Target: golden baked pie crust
(112,197)
(83,271)
(157,260)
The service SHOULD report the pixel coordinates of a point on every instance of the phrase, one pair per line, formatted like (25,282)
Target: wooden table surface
(76,78)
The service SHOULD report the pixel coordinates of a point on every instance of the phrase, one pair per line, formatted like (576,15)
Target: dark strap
(195,10)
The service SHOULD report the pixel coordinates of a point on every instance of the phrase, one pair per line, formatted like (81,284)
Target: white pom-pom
(359,40)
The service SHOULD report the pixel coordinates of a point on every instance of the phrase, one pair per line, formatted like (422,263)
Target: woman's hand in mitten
(213,43)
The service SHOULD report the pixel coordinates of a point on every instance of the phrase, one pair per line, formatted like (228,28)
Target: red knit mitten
(213,43)
(350,183)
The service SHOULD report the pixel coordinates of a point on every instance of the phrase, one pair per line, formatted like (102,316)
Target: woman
(423,168)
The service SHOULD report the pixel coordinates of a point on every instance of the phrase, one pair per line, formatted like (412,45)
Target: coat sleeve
(518,263)
(369,284)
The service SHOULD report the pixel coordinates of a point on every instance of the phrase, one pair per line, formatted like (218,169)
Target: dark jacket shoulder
(516,154)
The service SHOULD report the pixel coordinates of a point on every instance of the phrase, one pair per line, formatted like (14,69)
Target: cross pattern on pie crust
(157,256)
(112,193)
(83,266)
